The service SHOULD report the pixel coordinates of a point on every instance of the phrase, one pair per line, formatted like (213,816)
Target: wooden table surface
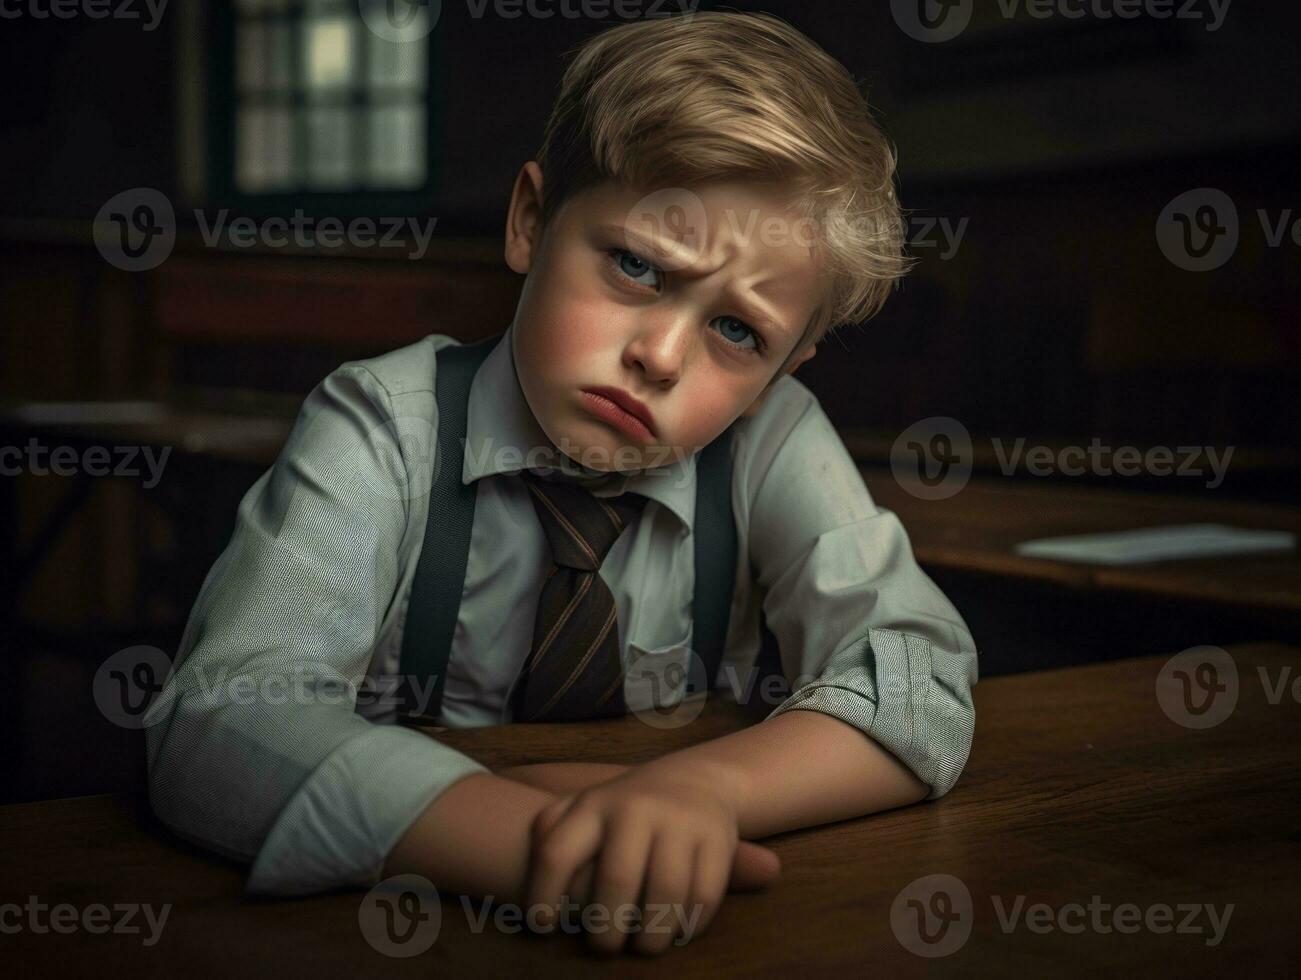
(1079,785)
(975,531)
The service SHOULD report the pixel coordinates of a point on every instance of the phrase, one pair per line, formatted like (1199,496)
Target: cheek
(574,328)
(589,331)
(713,400)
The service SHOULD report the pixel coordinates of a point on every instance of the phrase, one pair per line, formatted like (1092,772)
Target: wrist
(475,838)
(719,778)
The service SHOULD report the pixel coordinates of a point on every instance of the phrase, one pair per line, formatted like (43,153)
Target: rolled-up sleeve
(864,634)
(255,748)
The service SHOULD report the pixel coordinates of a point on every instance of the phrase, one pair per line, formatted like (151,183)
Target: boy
(711,197)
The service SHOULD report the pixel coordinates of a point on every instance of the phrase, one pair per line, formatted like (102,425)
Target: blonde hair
(699,97)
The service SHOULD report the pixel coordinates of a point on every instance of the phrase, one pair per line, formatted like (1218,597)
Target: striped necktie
(574,670)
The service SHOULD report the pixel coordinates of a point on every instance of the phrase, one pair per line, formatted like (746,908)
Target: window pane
(397,145)
(399,20)
(329,52)
(280,53)
(396,64)
(251,57)
(329,147)
(251,140)
(280,145)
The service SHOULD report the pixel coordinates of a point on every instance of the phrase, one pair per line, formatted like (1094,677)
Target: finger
(556,856)
(668,882)
(709,881)
(575,896)
(753,867)
(574,899)
(580,888)
(620,872)
(545,821)
(551,815)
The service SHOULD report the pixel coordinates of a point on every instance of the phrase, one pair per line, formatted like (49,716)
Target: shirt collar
(501,429)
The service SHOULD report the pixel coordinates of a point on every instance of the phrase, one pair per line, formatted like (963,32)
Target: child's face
(695,334)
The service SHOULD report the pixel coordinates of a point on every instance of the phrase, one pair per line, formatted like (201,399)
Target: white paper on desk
(1159,544)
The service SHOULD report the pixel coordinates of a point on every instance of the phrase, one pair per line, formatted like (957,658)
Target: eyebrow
(751,306)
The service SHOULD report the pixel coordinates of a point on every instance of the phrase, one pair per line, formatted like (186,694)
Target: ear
(524,219)
(799,359)
(804,355)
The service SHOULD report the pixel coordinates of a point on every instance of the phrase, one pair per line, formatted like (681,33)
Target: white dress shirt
(273,742)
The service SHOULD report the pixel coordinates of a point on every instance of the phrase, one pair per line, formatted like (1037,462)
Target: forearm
(563,778)
(800,769)
(475,838)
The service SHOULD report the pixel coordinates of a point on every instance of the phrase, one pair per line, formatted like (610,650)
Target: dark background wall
(1057,143)
(1053,145)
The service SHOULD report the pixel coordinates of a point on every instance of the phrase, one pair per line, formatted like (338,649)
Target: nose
(657,349)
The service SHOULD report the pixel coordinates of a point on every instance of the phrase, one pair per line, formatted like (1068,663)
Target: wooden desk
(875,447)
(213,444)
(1078,785)
(975,530)
(245,429)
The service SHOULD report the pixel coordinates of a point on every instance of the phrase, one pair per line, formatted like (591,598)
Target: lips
(629,404)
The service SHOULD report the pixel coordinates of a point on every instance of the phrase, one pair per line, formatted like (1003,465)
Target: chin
(610,452)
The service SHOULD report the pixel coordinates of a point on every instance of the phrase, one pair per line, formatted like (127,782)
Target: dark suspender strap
(440,572)
(714,532)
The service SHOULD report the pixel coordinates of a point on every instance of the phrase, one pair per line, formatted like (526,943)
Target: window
(327,98)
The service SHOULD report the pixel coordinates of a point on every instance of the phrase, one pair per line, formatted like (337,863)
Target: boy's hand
(665,833)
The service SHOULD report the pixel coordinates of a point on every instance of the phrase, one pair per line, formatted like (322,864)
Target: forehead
(740,229)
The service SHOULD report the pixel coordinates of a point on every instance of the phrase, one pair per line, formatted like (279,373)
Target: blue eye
(731,323)
(635,267)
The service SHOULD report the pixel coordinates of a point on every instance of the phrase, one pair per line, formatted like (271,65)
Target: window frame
(223,113)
